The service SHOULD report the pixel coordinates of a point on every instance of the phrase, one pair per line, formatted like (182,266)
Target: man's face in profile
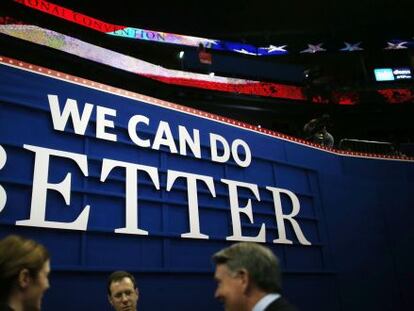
(230,288)
(124,296)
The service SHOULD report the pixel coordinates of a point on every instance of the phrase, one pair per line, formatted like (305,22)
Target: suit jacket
(281,304)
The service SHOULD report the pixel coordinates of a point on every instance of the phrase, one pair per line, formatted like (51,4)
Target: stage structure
(109,179)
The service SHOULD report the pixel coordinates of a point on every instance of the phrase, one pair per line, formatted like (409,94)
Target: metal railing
(368,146)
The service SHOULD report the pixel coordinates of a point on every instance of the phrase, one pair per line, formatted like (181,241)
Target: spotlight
(181,55)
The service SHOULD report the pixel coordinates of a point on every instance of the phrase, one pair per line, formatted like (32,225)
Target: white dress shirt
(262,304)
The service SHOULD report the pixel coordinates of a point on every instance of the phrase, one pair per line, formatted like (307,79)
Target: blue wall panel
(357,213)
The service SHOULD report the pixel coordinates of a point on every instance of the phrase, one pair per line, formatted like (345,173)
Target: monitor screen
(392,74)
(384,74)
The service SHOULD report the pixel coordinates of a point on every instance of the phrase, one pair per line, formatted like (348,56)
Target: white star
(208,42)
(313,48)
(274,48)
(243,51)
(396,46)
(349,47)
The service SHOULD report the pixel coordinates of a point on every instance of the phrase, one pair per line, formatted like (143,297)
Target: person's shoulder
(281,304)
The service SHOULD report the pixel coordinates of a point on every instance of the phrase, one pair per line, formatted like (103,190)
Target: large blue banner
(109,179)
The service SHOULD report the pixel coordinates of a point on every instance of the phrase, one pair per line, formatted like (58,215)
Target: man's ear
(244,276)
(24,278)
(137,291)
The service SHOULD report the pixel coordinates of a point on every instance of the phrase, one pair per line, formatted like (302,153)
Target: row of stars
(314,48)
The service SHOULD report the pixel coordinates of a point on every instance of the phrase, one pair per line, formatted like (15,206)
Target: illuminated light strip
(350,98)
(397,96)
(114,59)
(70,15)
(143,34)
(250,88)
(157,102)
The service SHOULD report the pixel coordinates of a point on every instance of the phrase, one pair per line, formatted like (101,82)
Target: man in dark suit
(249,279)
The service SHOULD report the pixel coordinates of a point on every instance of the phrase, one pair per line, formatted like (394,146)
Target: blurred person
(24,271)
(123,292)
(316,131)
(248,278)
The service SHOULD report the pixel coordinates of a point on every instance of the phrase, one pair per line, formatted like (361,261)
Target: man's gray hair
(262,265)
